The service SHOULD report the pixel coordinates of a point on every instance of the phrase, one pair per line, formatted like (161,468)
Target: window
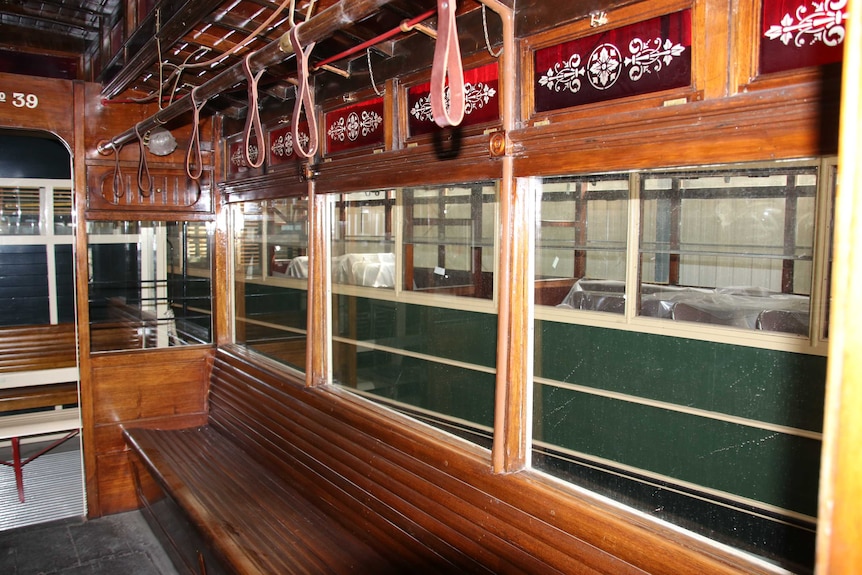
(696,396)
(581,243)
(149,284)
(729,247)
(37,285)
(413,321)
(270,254)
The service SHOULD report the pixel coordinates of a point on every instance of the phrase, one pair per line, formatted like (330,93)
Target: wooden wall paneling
(781,123)
(174,194)
(160,388)
(711,27)
(318,356)
(32,103)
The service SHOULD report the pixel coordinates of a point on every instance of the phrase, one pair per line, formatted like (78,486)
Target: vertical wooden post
(840,515)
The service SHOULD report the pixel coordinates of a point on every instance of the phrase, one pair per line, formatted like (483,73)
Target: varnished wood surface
(36,347)
(840,527)
(258,524)
(37,396)
(154,388)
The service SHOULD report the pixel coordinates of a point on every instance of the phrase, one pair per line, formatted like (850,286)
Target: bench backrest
(380,478)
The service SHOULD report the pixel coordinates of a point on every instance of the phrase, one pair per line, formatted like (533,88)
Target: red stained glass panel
(236,160)
(641,58)
(281,148)
(355,126)
(801,33)
(481,86)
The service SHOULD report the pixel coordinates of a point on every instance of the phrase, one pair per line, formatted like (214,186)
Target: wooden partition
(165,389)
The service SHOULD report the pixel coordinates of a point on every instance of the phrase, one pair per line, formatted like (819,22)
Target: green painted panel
(764,385)
(452,334)
(766,466)
(448,390)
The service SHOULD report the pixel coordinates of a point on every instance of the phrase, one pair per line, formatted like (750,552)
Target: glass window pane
(24,285)
(729,247)
(270,250)
(581,243)
(363,250)
(417,346)
(19,211)
(144,290)
(63,211)
(449,239)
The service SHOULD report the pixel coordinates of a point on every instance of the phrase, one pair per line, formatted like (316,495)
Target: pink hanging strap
(252,117)
(304,98)
(447,63)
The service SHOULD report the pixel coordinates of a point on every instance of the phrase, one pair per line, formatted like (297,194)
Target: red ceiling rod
(376,39)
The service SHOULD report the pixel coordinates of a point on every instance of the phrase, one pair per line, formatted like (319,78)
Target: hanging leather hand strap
(252,117)
(447,62)
(304,98)
(145,187)
(119,182)
(195,140)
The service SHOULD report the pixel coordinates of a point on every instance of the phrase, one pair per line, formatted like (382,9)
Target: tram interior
(583,327)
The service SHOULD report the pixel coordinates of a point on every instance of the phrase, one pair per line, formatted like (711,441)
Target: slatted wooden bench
(253,506)
(37,410)
(285,479)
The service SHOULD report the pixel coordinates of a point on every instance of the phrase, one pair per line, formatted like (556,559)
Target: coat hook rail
(319,27)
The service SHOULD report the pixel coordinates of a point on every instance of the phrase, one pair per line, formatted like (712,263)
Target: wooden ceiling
(147,49)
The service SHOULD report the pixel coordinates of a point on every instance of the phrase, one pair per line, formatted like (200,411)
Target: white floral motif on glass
(283,145)
(564,75)
(354,125)
(824,24)
(604,66)
(238,160)
(651,56)
(476,96)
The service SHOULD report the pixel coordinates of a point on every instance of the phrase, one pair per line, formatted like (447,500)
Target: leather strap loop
(146,188)
(119,182)
(195,140)
(304,98)
(252,117)
(447,63)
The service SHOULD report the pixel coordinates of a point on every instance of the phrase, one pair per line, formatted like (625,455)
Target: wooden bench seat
(46,422)
(284,479)
(260,509)
(38,396)
(258,522)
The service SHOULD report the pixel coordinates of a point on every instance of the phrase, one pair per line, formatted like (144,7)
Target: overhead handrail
(304,97)
(376,40)
(321,26)
(195,140)
(252,117)
(447,64)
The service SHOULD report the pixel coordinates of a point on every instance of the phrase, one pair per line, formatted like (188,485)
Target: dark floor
(114,545)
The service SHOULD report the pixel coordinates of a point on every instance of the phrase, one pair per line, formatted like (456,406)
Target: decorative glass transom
(637,59)
(236,160)
(801,33)
(482,105)
(355,126)
(281,145)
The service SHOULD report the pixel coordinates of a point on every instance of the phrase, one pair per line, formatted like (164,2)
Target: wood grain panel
(156,385)
(159,388)
(116,483)
(28,348)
